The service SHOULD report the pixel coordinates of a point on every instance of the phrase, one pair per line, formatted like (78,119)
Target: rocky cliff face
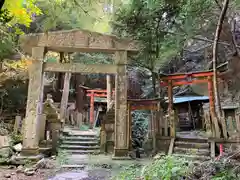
(197,56)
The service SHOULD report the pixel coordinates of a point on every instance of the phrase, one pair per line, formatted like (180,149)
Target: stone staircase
(194,149)
(79,142)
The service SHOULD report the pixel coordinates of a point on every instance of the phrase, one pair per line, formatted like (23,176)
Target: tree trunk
(1,3)
(154,84)
(215,50)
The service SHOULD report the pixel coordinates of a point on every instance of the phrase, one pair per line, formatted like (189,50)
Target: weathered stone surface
(44,164)
(76,40)
(30,136)
(20,169)
(7,175)
(79,68)
(29,171)
(121,114)
(4,141)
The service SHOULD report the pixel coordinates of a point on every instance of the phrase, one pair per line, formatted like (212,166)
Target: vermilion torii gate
(172,80)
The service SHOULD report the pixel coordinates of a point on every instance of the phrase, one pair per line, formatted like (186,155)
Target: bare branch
(218,4)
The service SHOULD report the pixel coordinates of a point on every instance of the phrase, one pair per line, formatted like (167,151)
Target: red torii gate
(145,104)
(172,80)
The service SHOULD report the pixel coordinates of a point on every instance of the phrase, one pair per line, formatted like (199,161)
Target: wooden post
(170,110)
(64,100)
(212,147)
(121,120)
(92,110)
(212,107)
(170,96)
(17,124)
(154,130)
(103,139)
(230,125)
(237,117)
(30,136)
(165,126)
(109,91)
(129,136)
(159,121)
(171,146)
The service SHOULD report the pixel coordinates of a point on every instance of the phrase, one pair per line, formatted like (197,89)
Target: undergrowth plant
(62,157)
(166,168)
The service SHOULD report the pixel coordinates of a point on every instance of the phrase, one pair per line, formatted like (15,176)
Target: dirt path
(11,174)
(77,167)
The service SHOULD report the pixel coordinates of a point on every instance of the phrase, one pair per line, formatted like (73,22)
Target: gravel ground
(11,174)
(52,174)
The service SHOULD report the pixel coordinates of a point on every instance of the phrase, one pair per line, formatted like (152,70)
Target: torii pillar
(122,126)
(34,104)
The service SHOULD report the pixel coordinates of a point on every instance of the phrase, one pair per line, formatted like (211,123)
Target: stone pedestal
(121,154)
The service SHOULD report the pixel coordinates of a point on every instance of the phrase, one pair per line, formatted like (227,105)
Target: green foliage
(226,175)
(162,26)
(129,173)
(13,92)
(16,138)
(6,43)
(20,12)
(140,126)
(62,157)
(166,168)
(63,14)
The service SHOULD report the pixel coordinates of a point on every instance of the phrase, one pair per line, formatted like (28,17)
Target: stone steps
(80,143)
(79,147)
(77,151)
(191,148)
(191,151)
(193,157)
(75,141)
(186,144)
(78,138)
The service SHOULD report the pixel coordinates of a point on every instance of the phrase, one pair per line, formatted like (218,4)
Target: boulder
(4,141)
(29,171)
(20,169)
(44,164)
(7,175)
(18,147)
(5,152)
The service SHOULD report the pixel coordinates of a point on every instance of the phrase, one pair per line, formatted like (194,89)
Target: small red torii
(135,104)
(172,80)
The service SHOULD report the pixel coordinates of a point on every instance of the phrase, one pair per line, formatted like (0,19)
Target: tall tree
(161,26)
(214,60)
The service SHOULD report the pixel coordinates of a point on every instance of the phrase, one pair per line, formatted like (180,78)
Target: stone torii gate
(75,41)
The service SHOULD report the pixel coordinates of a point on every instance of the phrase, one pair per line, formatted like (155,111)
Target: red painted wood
(187,75)
(92,110)
(179,83)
